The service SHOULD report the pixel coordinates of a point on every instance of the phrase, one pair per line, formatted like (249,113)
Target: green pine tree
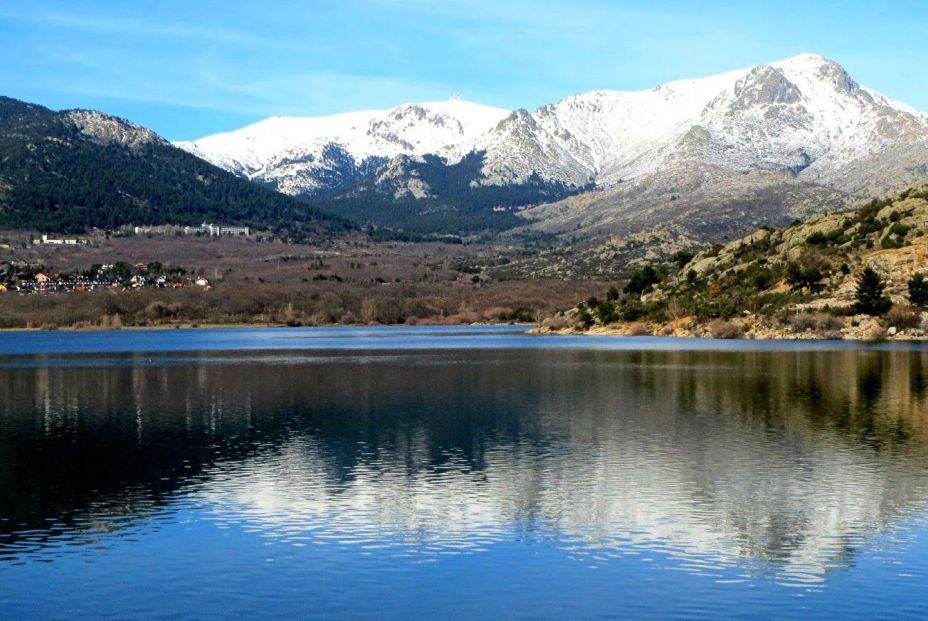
(870,297)
(918,290)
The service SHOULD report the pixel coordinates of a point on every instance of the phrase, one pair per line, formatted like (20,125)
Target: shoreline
(623,330)
(859,329)
(262,325)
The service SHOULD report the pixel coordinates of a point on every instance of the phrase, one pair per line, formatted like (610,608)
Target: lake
(459,473)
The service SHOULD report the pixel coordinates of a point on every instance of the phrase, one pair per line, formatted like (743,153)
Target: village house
(217,230)
(22,278)
(58,241)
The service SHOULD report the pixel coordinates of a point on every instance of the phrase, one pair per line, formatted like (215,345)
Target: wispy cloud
(123,27)
(209,83)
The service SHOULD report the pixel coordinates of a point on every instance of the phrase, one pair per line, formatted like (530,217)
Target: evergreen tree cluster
(55,178)
(457,202)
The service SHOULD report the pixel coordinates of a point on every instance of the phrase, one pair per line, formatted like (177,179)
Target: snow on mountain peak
(803,114)
(798,113)
(408,129)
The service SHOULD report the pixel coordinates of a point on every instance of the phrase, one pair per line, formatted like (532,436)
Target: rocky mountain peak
(108,130)
(803,122)
(834,74)
(765,85)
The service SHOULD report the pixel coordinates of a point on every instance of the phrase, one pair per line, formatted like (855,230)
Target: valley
(264,281)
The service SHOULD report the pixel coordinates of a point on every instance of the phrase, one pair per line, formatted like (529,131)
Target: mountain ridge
(703,158)
(822,119)
(77,169)
(365,136)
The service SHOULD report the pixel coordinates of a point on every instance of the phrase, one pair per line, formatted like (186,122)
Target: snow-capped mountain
(305,154)
(713,156)
(804,116)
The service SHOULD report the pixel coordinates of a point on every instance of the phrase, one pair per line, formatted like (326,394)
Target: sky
(189,68)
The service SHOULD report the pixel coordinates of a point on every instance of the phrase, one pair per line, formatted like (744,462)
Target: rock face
(106,130)
(802,281)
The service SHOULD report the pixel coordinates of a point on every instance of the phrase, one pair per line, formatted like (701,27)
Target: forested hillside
(430,196)
(72,170)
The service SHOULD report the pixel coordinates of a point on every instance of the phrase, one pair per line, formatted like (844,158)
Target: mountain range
(712,157)
(604,177)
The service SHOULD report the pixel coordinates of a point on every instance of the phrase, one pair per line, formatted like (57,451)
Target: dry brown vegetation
(719,329)
(297,304)
(272,283)
(815,322)
(903,317)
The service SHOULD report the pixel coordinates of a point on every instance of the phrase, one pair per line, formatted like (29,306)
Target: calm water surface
(448,473)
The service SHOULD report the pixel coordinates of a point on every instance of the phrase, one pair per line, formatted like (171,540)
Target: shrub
(642,280)
(801,276)
(584,319)
(903,318)
(819,322)
(159,309)
(556,322)
(761,279)
(520,314)
(682,257)
(817,239)
(802,322)
(605,311)
(719,329)
(875,333)
(385,311)
(829,323)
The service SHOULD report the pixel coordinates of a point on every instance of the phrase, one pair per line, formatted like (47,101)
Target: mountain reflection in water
(781,464)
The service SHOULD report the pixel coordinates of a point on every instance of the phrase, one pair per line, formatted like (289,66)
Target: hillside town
(20,277)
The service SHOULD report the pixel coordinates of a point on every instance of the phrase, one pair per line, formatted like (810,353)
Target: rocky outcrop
(106,130)
(797,282)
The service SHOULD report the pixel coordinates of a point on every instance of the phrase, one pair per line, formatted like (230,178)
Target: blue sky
(194,67)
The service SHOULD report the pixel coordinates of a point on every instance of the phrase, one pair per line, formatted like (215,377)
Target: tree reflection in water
(784,461)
